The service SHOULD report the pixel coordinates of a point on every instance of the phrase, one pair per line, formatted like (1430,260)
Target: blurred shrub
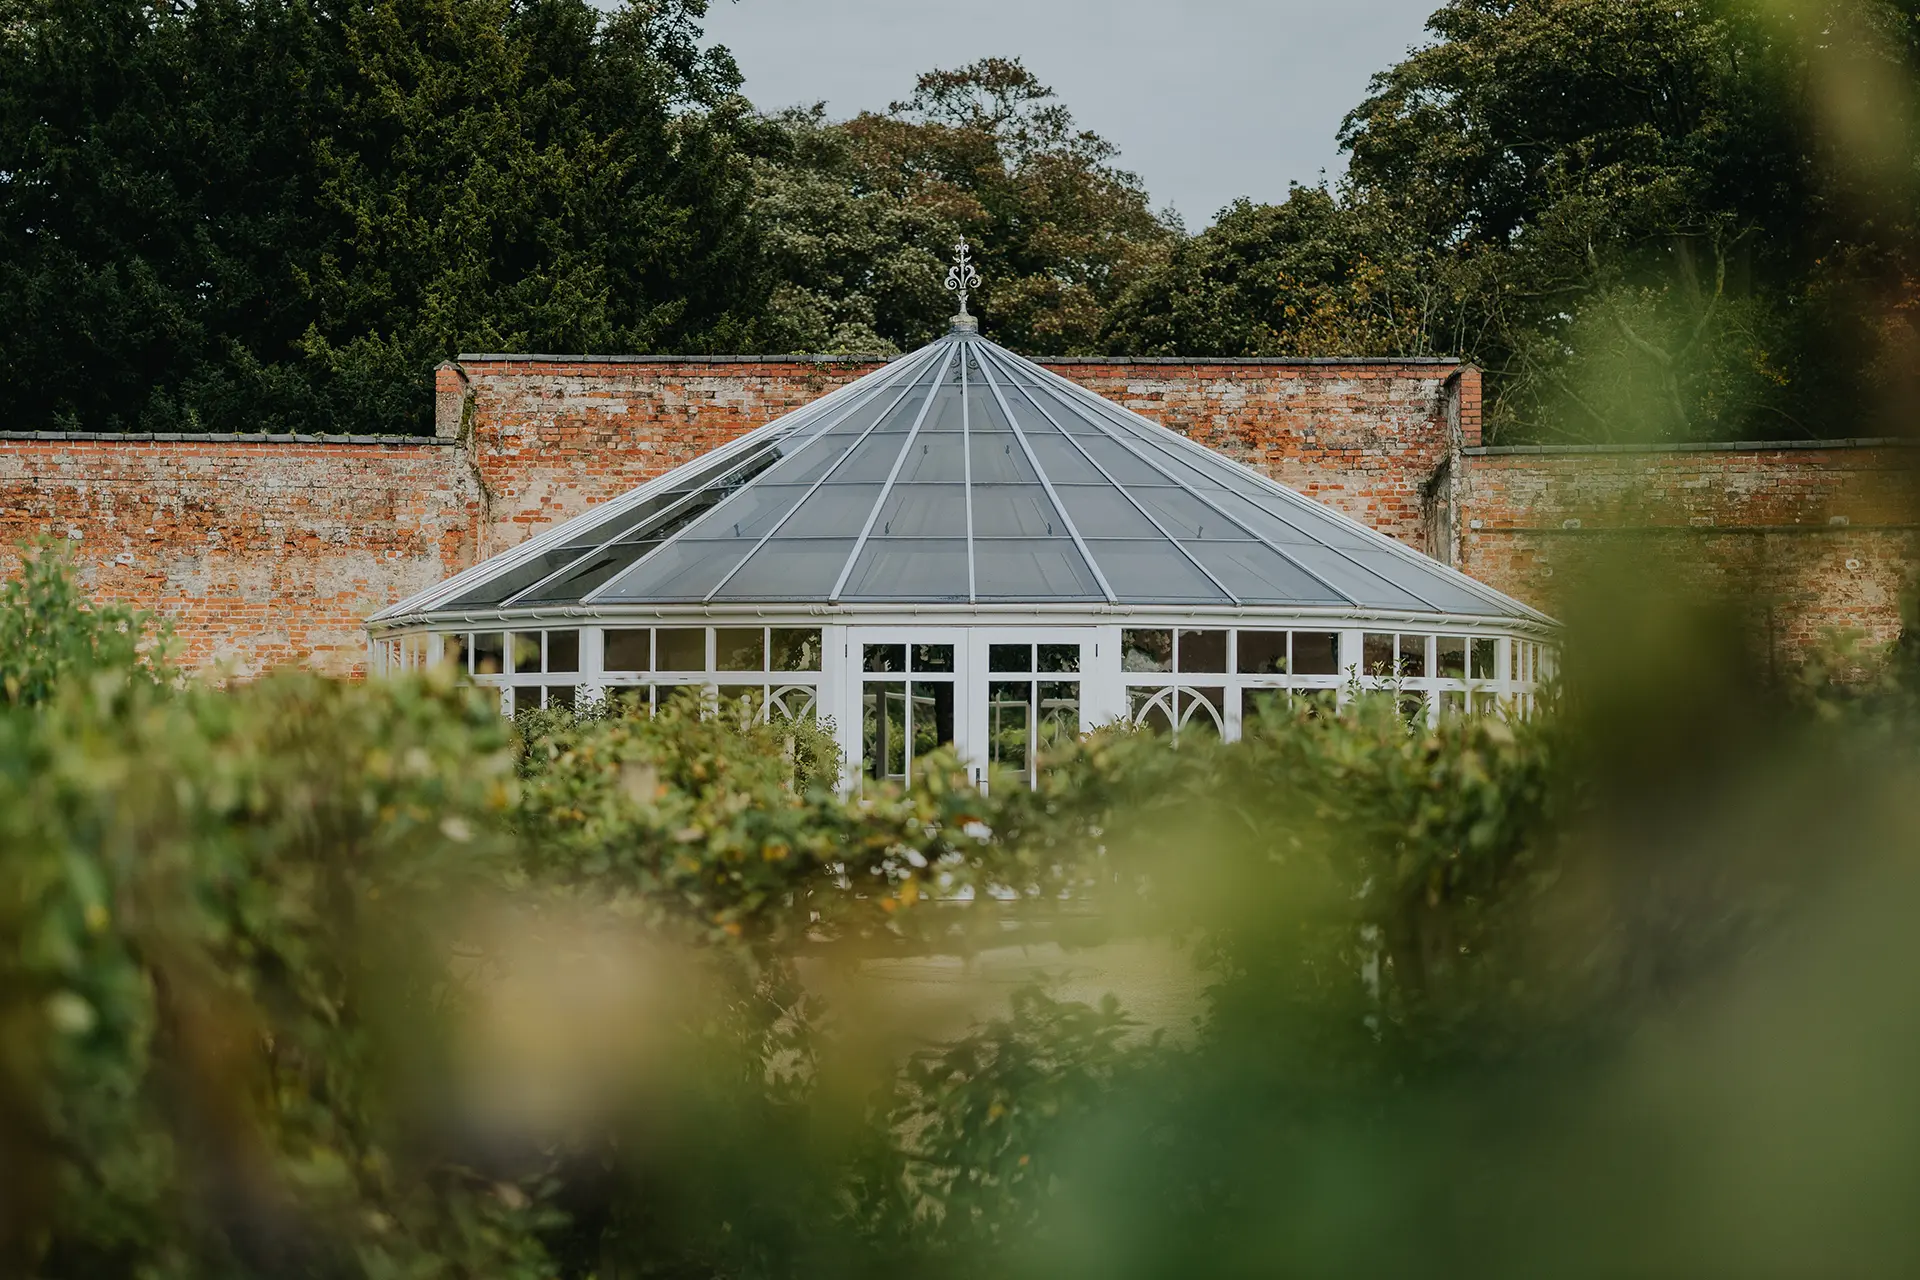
(314,979)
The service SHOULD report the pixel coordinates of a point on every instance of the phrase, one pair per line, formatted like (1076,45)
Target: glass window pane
(885,657)
(457,647)
(739,649)
(1013,510)
(935,458)
(933,659)
(1151,709)
(1262,653)
(1413,656)
(1059,720)
(1059,659)
(684,571)
(681,649)
(1010,657)
(793,704)
(1453,657)
(563,651)
(834,511)
(931,713)
(924,510)
(1376,656)
(1120,463)
(871,462)
(602,567)
(998,459)
(1102,511)
(1202,713)
(1010,726)
(629,651)
(910,569)
(796,649)
(800,569)
(1316,653)
(1146,651)
(1484,650)
(1203,651)
(1185,516)
(526,651)
(1260,575)
(883,730)
(1061,462)
(564,695)
(1154,572)
(1032,570)
(489,654)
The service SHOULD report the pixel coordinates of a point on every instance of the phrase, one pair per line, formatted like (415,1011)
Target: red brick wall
(260,552)
(1811,541)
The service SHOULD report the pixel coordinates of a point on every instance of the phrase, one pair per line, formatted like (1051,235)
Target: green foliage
(316,978)
(246,216)
(50,633)
(860,214)
(1645,220)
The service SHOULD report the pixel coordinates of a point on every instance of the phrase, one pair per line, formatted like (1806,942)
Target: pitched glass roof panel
(1015,510)
(1154,572)
(931,569)
(1102,511)
(833,511)
(1033,569)
(1260,575)
(795,569)
(924,510)
(878,488)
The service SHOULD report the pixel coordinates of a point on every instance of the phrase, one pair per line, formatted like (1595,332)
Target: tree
(861,214)
(275,215)
(1641,218)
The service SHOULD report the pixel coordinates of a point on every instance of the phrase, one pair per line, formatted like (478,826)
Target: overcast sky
(1207,99)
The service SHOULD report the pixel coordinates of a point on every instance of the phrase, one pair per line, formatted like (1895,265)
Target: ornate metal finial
(962,277)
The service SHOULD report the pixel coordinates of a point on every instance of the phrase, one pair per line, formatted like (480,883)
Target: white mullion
(873,516)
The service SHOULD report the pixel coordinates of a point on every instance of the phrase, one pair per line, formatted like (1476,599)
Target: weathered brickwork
(270,551)
(260,553)
(1814,543)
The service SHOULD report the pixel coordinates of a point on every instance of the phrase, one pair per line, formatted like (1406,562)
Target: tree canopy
(1646,220)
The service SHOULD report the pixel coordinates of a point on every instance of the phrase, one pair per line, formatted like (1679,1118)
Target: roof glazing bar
(1125,493)
(879,505)
(966,467)
(986,370)
(825,476)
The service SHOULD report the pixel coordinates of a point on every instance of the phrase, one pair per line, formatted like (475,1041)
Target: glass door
(1029,696)
(910,698)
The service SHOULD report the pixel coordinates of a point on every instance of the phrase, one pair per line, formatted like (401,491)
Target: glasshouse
(966,549)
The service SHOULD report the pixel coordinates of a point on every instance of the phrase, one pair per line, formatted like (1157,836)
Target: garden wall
(270,550)
(1810,540)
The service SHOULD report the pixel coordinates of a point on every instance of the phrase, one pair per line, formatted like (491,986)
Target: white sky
(1207,99)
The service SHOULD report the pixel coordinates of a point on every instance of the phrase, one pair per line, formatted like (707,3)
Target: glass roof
(965,474)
